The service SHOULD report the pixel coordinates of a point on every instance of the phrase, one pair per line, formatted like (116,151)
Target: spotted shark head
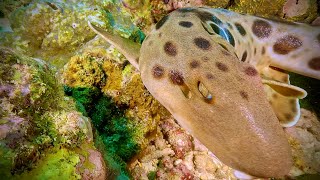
(204,71)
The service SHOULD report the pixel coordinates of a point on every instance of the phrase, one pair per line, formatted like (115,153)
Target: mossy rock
(35,115)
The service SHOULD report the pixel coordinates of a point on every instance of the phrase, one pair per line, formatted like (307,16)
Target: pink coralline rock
(178,138)
(294,8)
(176,4)
(13,129)
(98,172)
(305,142)
(300,10)
(316,22)
(174,154)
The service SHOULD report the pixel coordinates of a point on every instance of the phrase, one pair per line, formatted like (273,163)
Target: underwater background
(73,107)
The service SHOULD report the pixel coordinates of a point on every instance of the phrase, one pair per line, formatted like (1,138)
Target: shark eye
(208,98)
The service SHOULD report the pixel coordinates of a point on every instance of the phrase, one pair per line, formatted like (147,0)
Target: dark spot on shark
(209,76)
(157,71)
(287,44)
(161,22)
(261,28)
(194,64)
(170,49)
(186,24)
(315,63)
(250,71)
(244,95)
(202,43)
(176,77)
(240,29)
(221,66)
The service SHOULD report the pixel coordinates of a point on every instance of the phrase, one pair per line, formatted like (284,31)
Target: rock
(316,22)
(99,170)
(174,154)
(305,142)
(294,8)
(303,10)
(38,123)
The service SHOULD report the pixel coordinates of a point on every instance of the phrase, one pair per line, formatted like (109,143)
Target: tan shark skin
(200,79)
(238,124)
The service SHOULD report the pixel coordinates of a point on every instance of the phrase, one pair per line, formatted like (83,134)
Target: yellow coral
(262,7)
(143,108)
(125,87)
(113,84)
(83,71)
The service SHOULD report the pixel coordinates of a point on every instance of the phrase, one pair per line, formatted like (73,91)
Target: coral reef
(50,30)
(302,11)
(123,122)
(38,123)
(254,7)
(109,121)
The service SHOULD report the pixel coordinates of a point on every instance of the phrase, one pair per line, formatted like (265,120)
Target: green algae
(56,164)
(115,134)
(6,159)
(152,175)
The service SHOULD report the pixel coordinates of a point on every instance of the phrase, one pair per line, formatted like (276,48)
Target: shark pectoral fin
(274,73)
(286,89)
(286,108)
(129,49)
